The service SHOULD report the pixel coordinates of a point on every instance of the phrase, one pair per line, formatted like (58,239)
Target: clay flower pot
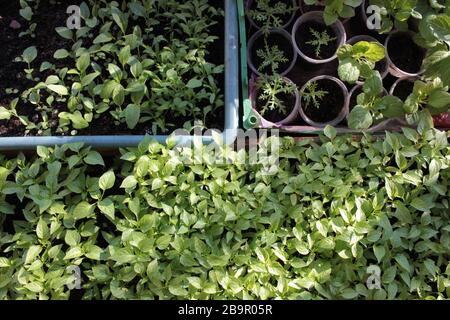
(288,21)
(403,55)
(279,37)
(403,87)
(301,35)
(292,102)
(333,107)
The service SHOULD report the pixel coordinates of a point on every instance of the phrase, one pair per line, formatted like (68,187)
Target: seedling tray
(300,74)
(231,118)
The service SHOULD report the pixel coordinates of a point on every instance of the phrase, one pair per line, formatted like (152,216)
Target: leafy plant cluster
(272,88)
(357,62)
(270,13)
(312,96)
(430,95)
(271,83)
(320,39)
(140,61)
(335,9)
(153,225)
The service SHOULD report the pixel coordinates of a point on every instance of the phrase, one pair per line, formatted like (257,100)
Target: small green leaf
(61,54)
(64,32)
(29,54)
(107,180)
(35,287)
(73,253)
(194,83)
(32,253)
(403,262)
(26,13)
(42,230)
(83,210)
(132,115)
(102,38)
(106,206)
(94,158)
(330,132)
(129,182)
(59,89)
(72,238)
(379,251)
(360,118)
(83,62)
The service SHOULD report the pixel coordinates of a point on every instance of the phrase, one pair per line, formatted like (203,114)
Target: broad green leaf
(106,206)
(132,115)
(42,230)
(83,62)
(194,83)
(64,32)
(379,252)
(59,89)
(360,118)
(61,54)
(32,253)
(102,38)
(29,54)
(72,238)
(94,158)
(83,210)
(129,182)
(107,180)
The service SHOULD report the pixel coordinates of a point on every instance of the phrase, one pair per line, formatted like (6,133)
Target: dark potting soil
(404,89)
(381,66)
(276,115)
(307,8)
(405,53)
(354,98)
(305,35)
(273,39)
(284,18)
(330,106)
(47,17)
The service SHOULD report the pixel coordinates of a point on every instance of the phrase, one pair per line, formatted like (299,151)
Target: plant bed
(369,58)
(129,71)
(147,225)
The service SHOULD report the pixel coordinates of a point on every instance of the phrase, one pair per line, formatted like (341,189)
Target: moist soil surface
(354,97)
(307,8)
(275,115)
(273,39)
(13,80)
(330,106)
(405,53)
(304,35)
(403,89)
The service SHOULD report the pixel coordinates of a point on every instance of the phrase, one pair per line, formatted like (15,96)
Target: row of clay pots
(317,16)
(301,6)
(387,66)
(298,109)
